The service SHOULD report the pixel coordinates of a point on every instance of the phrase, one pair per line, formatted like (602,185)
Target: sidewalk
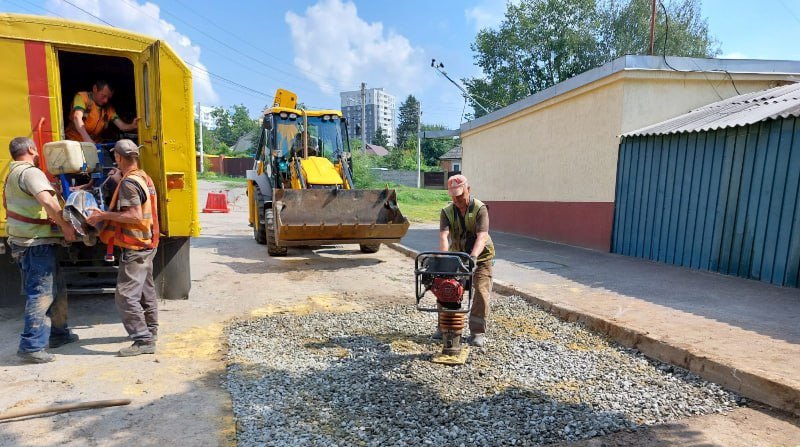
(742,334)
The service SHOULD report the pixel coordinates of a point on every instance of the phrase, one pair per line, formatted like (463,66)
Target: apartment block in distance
(380,111)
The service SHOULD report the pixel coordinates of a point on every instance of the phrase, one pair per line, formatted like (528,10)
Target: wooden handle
(64,408)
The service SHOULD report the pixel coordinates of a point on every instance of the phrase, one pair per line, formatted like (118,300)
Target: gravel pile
(365,378)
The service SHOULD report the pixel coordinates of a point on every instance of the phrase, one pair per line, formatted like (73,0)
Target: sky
(242,51)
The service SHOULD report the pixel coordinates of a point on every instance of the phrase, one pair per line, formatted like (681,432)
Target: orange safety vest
(141,235)
(95,119)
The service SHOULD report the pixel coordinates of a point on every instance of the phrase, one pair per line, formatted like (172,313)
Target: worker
(464,227)
(91,112)
(132,224)
(35,227)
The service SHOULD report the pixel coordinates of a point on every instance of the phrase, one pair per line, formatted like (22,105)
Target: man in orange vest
(132,224)
(91,112)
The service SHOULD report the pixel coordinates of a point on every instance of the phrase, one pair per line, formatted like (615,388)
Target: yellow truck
(46,61)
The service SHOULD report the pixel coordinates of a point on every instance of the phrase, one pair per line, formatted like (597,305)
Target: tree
(409,119)
(380,138)
(543,42)
(223,132)
(432,149)
(241,123)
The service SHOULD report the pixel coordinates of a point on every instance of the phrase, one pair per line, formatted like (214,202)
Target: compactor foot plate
(452,359)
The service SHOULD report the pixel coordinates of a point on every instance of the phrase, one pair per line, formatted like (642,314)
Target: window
(146,82)
(456,166)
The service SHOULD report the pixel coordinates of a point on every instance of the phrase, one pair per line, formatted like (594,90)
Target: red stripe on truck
(38,92)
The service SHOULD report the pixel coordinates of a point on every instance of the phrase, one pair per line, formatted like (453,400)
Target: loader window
(324,134)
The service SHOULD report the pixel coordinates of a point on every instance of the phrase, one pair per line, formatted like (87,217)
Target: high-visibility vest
(27,217)
(462,231)
(95,119)
(137,236)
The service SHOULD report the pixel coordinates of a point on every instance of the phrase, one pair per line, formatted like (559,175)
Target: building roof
(452,154)
(380,151)
(742,110)
(628,63)
(246,143)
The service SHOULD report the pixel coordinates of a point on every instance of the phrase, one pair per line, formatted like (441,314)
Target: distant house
(451,160)
(374,149)
(246,144)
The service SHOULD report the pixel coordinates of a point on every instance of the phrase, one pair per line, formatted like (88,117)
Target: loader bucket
(337,216)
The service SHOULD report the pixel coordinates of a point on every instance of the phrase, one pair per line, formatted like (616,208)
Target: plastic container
(70,157)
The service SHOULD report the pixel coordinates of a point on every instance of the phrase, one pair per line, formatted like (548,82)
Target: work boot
(61,340)
(153,332)
(36,356)
(478,340)
(138,348)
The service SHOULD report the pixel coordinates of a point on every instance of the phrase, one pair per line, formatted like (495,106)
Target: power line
(85,11)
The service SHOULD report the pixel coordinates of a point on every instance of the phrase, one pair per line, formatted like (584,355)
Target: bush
(362,169)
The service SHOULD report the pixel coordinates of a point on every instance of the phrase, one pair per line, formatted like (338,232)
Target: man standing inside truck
(132,224)
(35,228)
(464,227)
(91,112)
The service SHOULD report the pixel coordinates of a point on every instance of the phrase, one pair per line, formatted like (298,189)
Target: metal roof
(643,63)
(452,154)
(742,110)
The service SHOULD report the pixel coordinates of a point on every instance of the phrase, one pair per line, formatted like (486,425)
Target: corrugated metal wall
(725,201)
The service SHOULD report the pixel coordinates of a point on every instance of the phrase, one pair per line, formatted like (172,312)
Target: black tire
(171,269)
(259,229)
(10,278)
(369,248)
(272,244)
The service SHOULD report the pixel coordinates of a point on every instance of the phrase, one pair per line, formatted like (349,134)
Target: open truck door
(166,132)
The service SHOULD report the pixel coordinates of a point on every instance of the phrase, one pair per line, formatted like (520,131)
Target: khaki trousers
(482,281)
(136,298)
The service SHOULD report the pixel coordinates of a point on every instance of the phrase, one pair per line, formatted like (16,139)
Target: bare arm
(480,243)
(123,126)
(130,214)
(444,241)
(53,209)
(77,121)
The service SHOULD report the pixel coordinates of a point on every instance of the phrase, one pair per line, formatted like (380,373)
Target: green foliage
(409,119)
(400,158)
(232,124)
(543,42)
(433,149)
(362,169)
(223,132)
(380,138)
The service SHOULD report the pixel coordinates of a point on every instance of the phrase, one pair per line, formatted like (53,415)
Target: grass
(227,181)
(421,205)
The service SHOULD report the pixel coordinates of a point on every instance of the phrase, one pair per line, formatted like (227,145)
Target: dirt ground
(177,394)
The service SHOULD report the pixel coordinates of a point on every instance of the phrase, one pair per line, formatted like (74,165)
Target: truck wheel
(171,269)
(259,229)
(272,244)
(10,295)
(369,248)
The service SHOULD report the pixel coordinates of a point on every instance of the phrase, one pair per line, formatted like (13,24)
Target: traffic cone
(216,202)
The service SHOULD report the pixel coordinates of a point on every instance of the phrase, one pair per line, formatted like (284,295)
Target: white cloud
(338,50)
(144,19)
(734,55)
(486,14)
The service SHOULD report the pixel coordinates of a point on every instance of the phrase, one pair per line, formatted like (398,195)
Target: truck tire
(171,269)
(272,244)
(10,295)
(369,248)
(259,229)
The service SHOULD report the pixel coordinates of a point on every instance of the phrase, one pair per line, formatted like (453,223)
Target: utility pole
(363,118)
(652,28)
(419,145)
(202,155)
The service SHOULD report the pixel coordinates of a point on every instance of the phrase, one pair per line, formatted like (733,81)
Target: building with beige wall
(546,165)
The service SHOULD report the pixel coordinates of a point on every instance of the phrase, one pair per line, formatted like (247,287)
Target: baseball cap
(456,185)
(127,148)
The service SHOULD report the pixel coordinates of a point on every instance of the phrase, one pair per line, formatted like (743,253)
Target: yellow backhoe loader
(301,190)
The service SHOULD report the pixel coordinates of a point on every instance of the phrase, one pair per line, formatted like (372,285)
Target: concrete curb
(746,383)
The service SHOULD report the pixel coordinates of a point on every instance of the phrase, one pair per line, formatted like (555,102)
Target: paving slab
(742,334)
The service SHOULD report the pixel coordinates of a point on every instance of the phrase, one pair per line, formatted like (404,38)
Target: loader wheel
(369,248)
(272,244)
(259,229)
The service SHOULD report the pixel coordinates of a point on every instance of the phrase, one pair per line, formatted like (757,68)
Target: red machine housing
(448,292)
